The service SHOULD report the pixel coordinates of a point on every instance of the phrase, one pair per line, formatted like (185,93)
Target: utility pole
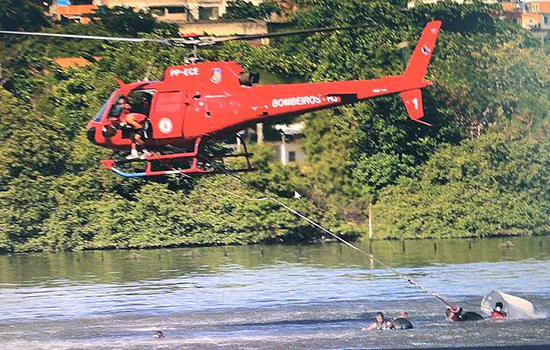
(260,133)
(284,157)
(238,144)
(370,221)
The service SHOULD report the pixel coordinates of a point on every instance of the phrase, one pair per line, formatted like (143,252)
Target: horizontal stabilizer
(413,103)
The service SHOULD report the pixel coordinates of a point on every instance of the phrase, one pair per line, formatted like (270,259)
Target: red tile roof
(67,62)
(509,6)
(73,10)
(540,6)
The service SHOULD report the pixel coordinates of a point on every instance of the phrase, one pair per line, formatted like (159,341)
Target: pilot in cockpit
(121,108)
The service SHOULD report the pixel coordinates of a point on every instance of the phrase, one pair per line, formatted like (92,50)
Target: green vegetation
(241,9)
(440,181)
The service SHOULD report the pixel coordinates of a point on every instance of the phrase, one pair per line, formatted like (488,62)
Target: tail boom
(416,71)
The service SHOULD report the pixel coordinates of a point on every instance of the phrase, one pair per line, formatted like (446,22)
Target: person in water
(158,335)
(455,313)
(402,321)
(380,323)
(497,313)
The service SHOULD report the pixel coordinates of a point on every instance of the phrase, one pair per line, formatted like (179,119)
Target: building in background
(532,15)
(529,14)
(290,149)
(412,3)
(543,7)
(191,16)
(286,140)
(164,10)
(76,11)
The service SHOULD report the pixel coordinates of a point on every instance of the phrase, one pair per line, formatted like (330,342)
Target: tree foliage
(242,9)
(440,181)
(128,21)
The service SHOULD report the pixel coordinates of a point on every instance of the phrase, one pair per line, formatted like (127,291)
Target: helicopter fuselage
(217,99)
(212,98)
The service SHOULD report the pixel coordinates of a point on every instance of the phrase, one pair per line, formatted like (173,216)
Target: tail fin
(416,70)
(413,103)
(418,64)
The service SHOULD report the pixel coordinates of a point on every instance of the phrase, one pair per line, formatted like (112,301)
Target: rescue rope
(224,171)
(319,226)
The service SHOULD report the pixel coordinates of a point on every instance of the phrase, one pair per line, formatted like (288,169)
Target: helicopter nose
(90,133)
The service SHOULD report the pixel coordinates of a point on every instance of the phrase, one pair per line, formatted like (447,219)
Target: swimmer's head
(158,334)
(456,310)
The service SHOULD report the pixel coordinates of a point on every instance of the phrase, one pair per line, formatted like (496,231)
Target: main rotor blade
(282,34)
(191,42)
(92,37)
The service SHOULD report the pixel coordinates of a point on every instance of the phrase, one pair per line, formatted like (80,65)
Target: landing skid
(167,164)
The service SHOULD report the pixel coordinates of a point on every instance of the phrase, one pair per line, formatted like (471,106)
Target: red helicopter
(216,99)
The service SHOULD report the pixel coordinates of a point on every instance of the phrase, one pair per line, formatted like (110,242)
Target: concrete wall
(412,3)
(531,20)
(294,146)
(224,27)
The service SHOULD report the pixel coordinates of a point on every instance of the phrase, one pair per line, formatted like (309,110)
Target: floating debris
(506,244)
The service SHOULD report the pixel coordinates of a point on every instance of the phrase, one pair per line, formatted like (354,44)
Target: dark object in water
(158,334)
(471,316)
(455,313)
(402,323)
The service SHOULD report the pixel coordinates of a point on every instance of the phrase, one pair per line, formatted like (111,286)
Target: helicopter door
(166,118)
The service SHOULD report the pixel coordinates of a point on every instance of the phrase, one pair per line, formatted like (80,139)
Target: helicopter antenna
(194,56)
(149,68)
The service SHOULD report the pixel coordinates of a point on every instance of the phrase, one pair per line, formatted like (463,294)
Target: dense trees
(495,185)
(241,9)
(438,181)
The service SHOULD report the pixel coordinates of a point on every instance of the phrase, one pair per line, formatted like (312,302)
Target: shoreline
(320,241)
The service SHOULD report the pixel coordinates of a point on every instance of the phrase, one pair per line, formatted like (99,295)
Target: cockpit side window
(249,79)
(140,100)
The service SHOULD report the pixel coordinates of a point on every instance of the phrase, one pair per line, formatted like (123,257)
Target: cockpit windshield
(99,114)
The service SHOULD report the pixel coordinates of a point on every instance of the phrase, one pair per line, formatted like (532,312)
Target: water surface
(316,296)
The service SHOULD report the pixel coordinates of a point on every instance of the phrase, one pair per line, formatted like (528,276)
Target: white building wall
(192,5)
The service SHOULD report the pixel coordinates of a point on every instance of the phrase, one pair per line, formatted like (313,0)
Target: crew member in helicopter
(116,115)
(119,110)
(136,122)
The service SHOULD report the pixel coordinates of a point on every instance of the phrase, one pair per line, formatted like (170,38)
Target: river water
(277,297)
